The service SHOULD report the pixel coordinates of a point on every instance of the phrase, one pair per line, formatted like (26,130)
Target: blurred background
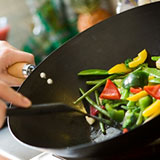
(41,26)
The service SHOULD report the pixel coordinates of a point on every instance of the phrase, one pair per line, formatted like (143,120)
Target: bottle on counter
(4,28)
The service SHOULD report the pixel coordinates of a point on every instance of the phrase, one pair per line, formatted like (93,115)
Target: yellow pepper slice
(150,77)
(119,68)
(142,56)
(153,116)
(137,96)
(152,110)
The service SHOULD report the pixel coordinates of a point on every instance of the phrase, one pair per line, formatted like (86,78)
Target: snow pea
(155,58)
(155,80)
(152,71)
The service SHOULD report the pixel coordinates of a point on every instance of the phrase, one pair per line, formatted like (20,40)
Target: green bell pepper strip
(101,125)
(155,58)
(93,72)
(140,119)
(144,102)
(152,71)
(104,112)
(114,103)
(94,88)
(116,115)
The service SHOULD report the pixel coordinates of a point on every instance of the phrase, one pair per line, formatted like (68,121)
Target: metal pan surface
(107,43)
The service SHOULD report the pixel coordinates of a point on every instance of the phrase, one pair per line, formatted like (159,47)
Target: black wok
(108,43)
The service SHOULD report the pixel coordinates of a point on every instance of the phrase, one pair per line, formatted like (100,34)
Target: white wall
(19,19)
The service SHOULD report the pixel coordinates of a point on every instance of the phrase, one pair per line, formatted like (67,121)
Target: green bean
(101,125)
(104,112)
(93,72)
(155,58)
(97,97)
(94,82)
(94,88)
(140,119)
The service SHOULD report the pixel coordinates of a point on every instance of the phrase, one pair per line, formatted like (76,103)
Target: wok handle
(21,70)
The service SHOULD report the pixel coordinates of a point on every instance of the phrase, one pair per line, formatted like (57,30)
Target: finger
(11,81)
(13,56)
(2,113)
(20,56)
(12,96)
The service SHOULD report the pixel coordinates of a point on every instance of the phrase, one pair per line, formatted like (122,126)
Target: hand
(9,95)
(9,56)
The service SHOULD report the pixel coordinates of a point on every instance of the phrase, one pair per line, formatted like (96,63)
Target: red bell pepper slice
(125,130)
(154,91)
(135,90)
(94,111)
(110,91)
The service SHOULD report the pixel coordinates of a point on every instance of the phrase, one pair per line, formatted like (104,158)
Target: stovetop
(14,150)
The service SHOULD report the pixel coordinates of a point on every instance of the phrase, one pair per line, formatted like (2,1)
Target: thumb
(2,113)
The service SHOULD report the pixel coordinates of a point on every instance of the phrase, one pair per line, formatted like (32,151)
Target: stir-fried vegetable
(135,90)
(142,56)
(119,68)
(137,96)
(110,91)
(154,91)
(136,79)
(128,96)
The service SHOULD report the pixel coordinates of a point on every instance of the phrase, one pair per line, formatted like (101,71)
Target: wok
(107,43)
